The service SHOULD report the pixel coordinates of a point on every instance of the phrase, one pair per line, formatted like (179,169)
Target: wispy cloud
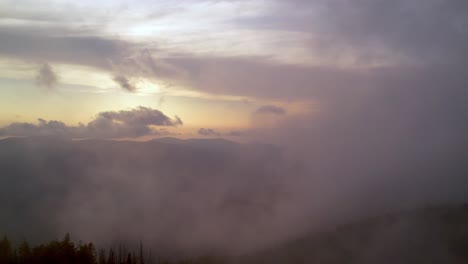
(270,109)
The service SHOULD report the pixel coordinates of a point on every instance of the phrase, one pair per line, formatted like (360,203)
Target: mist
(351,110)
(353,158)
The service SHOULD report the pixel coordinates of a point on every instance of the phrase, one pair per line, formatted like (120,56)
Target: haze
(228,126)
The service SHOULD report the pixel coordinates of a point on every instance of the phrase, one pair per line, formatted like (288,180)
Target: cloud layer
(354,44)
(112,124)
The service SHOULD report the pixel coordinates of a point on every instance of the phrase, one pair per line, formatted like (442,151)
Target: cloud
(61,45)
(124,83)
(115,191)
(215,133)
(389,46)
(43,128)
(46,76)
(383,149)
(270,109)
(403,27)
(208,132)
(371,31)
(112,124)
(236,133)
(390,132)
(262,78)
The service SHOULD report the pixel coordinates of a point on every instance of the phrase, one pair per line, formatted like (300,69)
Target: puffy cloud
(46,76)
(43,128)
(112,124)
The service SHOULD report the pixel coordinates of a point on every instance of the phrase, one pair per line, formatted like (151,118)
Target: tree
(5,250)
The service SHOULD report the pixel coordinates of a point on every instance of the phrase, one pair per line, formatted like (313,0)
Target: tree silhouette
(66,252)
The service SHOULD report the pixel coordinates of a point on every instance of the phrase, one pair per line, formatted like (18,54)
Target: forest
(65,251)
(428,235)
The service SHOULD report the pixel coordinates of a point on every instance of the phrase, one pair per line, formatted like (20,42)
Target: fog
(385,130)
(354,158)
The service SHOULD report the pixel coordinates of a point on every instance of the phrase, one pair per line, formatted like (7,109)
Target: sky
(228,66)
(362,105)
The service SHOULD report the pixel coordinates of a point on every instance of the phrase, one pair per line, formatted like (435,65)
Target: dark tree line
(54,252)
(67,252)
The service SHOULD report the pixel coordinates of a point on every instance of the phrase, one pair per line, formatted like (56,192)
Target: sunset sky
(225,66)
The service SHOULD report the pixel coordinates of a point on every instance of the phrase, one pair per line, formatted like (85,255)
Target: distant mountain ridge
(432,235)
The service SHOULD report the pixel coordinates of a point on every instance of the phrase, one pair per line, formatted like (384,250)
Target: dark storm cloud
(126,123)
(46,76)
(270,109)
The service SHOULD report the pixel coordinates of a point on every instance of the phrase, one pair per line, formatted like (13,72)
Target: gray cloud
(123,82)
(208,132)
(43,128)
(215,133)
(380,149)
(126,123)
(121,59)
(270,109)
(374,30)
(61,45)
(261,78)
(395,33)
(404,27)
(236,133)
(191,194)
(46,76)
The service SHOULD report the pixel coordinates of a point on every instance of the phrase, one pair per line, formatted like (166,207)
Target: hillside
(434,235)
